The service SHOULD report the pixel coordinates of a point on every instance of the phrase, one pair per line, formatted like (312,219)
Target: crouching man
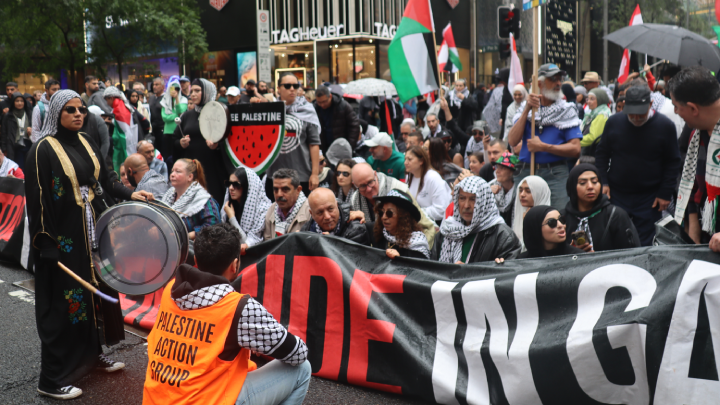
(199,348)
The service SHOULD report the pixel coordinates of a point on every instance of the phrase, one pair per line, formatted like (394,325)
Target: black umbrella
(669,42)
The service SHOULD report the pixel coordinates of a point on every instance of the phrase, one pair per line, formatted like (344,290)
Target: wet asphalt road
(20,362)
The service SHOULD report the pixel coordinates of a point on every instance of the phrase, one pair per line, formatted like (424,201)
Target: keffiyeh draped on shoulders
(304,111)
(252,219)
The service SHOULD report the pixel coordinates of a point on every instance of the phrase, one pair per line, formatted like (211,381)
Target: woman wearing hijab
(193,146)
(16,129)
(30,100)
(601,225)
(172,105)
(397,230)
(245,205)
(593,124)
(126,133)
(544,234)
(519,96)
(531,191)
(67,189)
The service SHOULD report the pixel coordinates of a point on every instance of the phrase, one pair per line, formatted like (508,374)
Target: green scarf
(602,107)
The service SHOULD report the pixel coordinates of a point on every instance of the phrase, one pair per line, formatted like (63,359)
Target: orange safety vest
(189,361)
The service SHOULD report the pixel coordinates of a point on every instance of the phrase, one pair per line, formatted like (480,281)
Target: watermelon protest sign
(257,133)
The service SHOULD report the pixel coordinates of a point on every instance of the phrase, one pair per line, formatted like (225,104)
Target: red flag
(625,64)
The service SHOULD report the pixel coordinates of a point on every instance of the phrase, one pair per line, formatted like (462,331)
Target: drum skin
(140,247)
(215,121)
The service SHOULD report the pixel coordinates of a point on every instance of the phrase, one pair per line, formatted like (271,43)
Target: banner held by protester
(257,134)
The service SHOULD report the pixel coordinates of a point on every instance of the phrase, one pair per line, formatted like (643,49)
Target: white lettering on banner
(294,35)
(445,363)
(265,116)
(674,386)
(580,348)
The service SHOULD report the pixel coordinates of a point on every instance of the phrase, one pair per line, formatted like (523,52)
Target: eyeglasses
(553,222)
(388,213)
(370,183)
(478,132)
(71,110)
(289,85)
(235,184)
(555,79)
(344,174)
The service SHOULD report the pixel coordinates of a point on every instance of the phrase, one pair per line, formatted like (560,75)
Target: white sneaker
(68,392)
(107,365)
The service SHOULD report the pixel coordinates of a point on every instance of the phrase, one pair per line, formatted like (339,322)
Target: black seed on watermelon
(249,156)
(261,137)
(253,145)
(243,160)
(273,131)
(269,146)
(236,149)
(254,163)
(243,130)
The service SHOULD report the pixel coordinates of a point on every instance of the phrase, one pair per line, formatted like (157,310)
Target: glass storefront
(336,60)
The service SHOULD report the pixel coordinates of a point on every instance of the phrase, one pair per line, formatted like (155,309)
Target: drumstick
(88,285)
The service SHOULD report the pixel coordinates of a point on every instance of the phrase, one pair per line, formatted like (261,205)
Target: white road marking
(1,281)
(23,296)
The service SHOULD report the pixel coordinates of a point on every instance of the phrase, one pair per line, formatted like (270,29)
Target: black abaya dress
(71,322)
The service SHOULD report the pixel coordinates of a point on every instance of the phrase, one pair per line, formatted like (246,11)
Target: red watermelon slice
(254,146)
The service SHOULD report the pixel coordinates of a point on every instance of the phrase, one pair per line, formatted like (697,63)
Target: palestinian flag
(448,57)
(125,135)
(412,57)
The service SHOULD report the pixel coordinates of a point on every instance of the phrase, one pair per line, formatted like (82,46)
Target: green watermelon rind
(278,146)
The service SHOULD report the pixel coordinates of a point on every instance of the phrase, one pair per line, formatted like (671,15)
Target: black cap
(250,82)
(637,100)
(503,75)
(550,70)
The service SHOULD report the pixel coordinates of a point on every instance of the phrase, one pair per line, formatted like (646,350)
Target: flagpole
(437,64)
(534,84)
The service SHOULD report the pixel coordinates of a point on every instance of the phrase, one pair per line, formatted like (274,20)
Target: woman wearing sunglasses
(67,188)
(397,229)
(245,205)
(544,234)
(344,187)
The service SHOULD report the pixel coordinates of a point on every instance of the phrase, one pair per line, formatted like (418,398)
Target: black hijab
(569,92)
(18,113)
(239,206)
(571,187)
(533,237)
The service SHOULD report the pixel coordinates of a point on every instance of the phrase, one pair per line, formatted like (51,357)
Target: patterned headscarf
(252,219)
(485,215)
(113,91)
(52,118)
(208,92)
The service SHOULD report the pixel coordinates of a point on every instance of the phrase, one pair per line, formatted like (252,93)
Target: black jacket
(344,123)
(158,125)
(404,252)
(607,234)
(465,114)
(498,241)
(9,127)
(353,230)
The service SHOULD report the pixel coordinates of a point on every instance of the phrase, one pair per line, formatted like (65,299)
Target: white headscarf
(208,92)
(166,101)
(541,196)
(523,90)
(485,215)
(57,102)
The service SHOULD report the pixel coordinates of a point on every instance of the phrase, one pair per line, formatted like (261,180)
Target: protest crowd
(449,180)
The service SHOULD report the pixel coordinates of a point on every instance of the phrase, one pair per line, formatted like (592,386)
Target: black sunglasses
(447,140)
(235,184)
(293,85)
(553,222)
(388,213)
(345,174)
(71,110)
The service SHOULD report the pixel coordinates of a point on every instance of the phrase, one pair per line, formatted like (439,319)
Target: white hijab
(541,196)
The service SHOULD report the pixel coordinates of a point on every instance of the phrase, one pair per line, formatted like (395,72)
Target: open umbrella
(370,87)
(669,42)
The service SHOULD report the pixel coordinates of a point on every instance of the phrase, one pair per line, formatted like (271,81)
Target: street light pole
(605,42)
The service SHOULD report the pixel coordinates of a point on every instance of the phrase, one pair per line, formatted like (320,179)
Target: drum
(215,121)
(139,246)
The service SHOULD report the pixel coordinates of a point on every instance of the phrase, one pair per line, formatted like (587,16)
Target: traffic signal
(504,49)
(508,21)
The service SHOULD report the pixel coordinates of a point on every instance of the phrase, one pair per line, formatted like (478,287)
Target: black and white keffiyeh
(52,118)
(493,110)
(455,101)
(191,202)
(304,111)
(503,199)
(113,91)
(252,219)
(658,100)
(485,215)
(559,114)
(315,227)
(418,242)
(359,203)
(209,91)
(285,225)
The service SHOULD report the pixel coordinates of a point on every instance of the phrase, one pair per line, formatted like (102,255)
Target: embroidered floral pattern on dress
(58,190)
(65,244)
(76,309)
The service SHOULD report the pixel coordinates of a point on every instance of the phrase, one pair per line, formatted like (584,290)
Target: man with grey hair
(406,128)
(557,130)
(461,104)
(476,141)
(156,121)
(291,210)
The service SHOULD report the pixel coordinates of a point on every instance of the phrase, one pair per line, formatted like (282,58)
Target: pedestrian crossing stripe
(23,296)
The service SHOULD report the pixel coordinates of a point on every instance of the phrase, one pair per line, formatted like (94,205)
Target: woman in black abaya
(67,188)
(193,146)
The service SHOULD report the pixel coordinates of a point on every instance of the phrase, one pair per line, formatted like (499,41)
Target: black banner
(14,243)
(639,326)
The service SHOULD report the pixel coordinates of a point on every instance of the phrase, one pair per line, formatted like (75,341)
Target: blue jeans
(556,179)
(276,383)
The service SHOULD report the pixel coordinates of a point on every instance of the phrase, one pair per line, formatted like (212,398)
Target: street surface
(20,362)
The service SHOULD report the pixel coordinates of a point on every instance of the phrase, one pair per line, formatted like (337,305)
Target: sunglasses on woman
(71,110)
(289,85)
(344,174)
(388,213)
(235,184)
(553,222)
